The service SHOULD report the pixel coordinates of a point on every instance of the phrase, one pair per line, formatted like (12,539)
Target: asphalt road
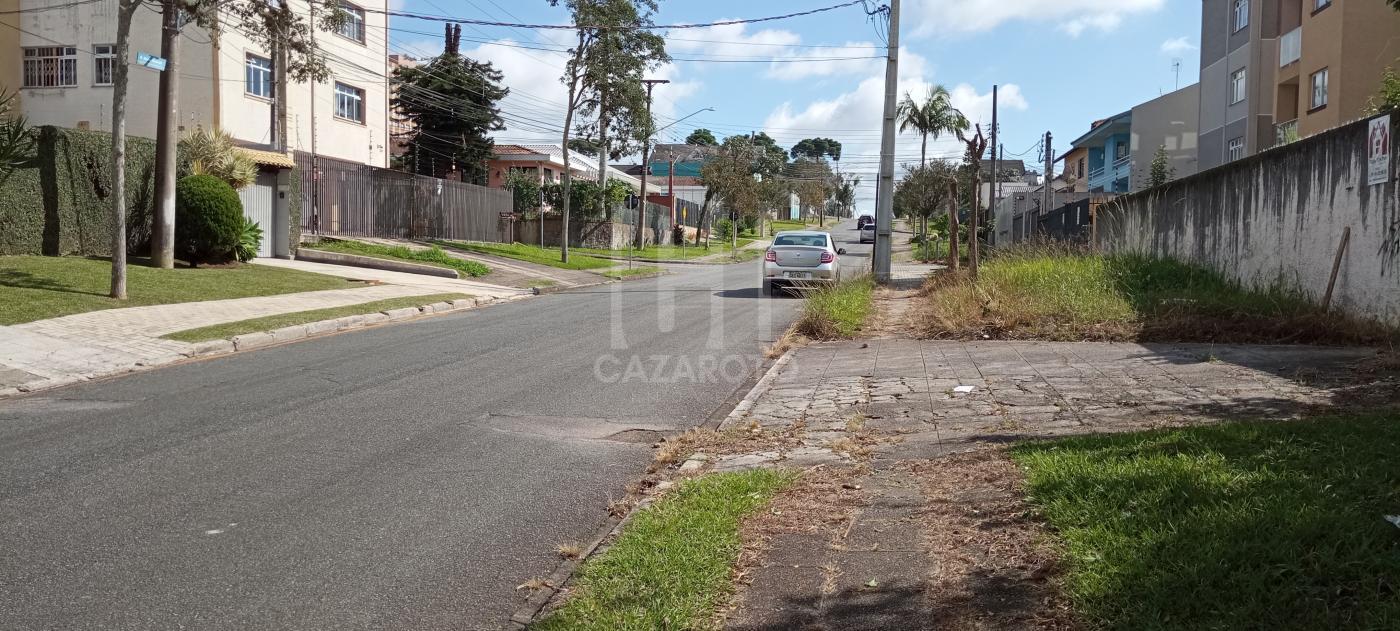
(404,477)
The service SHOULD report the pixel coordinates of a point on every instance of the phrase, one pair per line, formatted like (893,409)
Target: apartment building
(1275,70)
(1331,57)
(59,55)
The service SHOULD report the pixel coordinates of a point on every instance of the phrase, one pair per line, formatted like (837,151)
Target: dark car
(864,220)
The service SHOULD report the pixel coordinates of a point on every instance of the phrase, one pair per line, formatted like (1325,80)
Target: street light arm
(708,109)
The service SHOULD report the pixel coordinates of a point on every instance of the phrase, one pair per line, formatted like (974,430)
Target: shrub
(208,219)
(678,235)
(724,229)
(213,152)
(250,236)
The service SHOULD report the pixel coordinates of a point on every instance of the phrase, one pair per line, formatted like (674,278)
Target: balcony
(1290,47)
(1095,174)
(1285,133)
(1121,162)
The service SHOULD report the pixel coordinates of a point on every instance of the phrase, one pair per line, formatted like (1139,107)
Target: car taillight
(828,257)
(770,256)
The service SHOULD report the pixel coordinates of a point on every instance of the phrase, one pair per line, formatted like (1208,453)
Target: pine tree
(1161,171)
(452,103)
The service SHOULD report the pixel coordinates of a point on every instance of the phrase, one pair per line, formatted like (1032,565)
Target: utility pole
(646,166)
(884,192)
(167,115)
(993,183)
(1049,176)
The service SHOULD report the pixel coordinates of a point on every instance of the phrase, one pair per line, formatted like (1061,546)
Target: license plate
(801,275)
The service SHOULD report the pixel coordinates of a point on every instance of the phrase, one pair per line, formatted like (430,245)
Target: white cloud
(1177,46)
(970,16)
(848,59)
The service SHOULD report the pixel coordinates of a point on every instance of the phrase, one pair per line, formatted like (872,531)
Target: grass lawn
(434,256)
(838,311)
(780,225)
(1061,294)
(40,287)
(1237,526)
(230,329)
(621,273)
(531,254)
(670,568)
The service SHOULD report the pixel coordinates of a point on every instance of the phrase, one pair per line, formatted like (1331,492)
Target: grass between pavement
(40,287)
(623,273)
(1065,294)
(531,254)
(838,311)
(434,256)
(1243,525)
(268,323)
(670,567)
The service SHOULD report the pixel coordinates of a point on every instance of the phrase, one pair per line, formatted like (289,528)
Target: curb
(264,339)
(742,409)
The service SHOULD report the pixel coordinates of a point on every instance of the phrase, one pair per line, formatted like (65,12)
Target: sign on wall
(1378,150)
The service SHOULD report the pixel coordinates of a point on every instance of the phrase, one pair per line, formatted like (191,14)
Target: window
(354,26)
(1081,167)
(1319,5)
(50,67)
(349,102)
(258,80)
(1319,89)
(1237,86)
(1120,151)
(1235,151)
(102,56)
(1241,15)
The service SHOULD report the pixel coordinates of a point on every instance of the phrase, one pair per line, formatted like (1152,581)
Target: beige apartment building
(1277,70)
(58,55)
(1331,56)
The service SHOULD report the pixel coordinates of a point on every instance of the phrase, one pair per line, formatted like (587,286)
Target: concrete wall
(212,74)
(1166,121)
(1277,218)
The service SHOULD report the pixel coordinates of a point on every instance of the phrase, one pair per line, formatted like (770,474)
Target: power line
(640,27)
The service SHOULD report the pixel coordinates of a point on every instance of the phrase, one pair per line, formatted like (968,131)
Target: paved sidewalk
(886,407)
(49,353)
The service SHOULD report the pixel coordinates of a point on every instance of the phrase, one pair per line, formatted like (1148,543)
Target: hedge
(62,207)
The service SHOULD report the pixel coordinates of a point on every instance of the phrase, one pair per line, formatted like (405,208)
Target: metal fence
(357,200)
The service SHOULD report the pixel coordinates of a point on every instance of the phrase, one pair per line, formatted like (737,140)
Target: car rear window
(817,240)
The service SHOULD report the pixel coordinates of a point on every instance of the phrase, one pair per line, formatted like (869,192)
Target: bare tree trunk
(125,10)
(923,151)
(603,154)
(953,239)
(167,116)
(704,212)
(972,219)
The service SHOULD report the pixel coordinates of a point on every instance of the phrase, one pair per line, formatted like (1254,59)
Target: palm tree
(935,116)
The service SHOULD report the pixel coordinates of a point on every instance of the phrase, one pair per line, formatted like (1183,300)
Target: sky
(1059,65)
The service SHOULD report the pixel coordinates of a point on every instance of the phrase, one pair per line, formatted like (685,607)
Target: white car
(867,233)
(800,259)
